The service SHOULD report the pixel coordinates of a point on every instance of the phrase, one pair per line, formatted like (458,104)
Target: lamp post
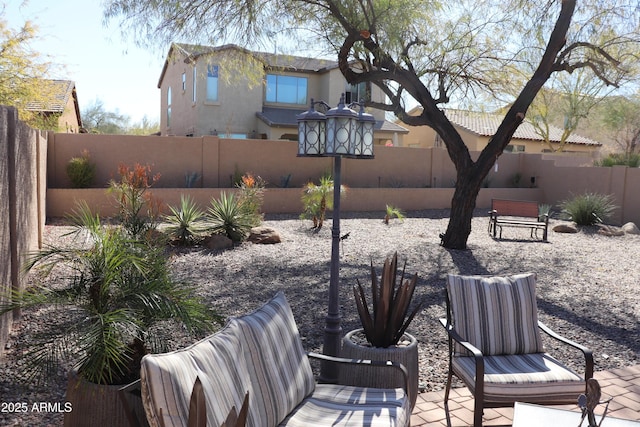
(340,132)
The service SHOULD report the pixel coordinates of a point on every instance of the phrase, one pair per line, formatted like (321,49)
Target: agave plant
(114,296)
(227,216)
(390,316)
(185,223)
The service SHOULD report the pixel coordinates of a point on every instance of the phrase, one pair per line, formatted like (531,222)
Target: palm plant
(185,223)
(112,295)
(316,199)
(392,211)
(227,216)
(389,318)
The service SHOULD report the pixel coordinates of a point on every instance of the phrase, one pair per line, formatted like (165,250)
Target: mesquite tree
(430,53)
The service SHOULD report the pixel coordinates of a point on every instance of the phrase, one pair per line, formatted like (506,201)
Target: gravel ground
(587,288)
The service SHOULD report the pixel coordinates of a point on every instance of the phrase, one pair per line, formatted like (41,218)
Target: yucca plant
(390,313)
(113,295)
(185,223)
(392,211)
(227,216)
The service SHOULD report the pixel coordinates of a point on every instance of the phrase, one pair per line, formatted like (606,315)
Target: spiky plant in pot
(390,313)
(384,327)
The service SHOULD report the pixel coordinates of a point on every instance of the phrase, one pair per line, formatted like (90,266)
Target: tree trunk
(463,204)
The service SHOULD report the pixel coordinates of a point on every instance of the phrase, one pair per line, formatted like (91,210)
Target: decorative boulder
(217,242)
(609,230)
(631,228)
(264,235)
(565,228)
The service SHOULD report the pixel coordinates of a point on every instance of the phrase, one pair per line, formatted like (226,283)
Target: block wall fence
(409,178)
(34,184)
(23,153)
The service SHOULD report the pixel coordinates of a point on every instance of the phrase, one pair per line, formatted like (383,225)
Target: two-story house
(236,93)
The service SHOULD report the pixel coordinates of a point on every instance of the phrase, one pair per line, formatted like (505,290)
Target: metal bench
(517,213)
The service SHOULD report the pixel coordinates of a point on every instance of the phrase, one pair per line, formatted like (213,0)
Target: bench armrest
(588,353)
(376,363)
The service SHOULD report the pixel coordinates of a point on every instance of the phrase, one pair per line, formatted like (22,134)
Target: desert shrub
(619,159)
(250,197)
(138,210)
(81,171)
(588,208)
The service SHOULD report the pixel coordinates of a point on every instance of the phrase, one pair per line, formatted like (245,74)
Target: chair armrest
(376,363)
(588,353)
(135,390)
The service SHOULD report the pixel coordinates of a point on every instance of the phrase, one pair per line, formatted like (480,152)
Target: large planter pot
(99,405)
(368,376)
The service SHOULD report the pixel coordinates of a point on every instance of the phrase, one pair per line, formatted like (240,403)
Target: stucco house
(477,127)
(236,93)
(60,101)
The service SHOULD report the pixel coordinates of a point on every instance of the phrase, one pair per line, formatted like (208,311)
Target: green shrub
(226,216)
(250,197)
(138,210)
(588,208)
(620,159)
(185,223)
(81,171)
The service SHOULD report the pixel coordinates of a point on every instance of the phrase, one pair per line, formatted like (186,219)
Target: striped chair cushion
(278,366)
(167,379)
(498,315)
(534,378)
(336,405)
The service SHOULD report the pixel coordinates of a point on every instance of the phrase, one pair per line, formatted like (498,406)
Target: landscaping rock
(565,228)
(264,235)
(630,228)
(610,230)
(217,242)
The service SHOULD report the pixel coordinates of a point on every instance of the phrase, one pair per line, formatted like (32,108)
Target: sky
(103,66)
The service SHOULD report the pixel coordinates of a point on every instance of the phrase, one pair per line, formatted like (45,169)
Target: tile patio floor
(623,384)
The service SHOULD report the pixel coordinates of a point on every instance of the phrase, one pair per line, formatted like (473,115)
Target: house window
(286,89)
(169,107)
(355,93)
(193,96)
(511,148)
(184,82)
(212,83)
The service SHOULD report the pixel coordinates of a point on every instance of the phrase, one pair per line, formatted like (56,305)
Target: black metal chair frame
(478,387)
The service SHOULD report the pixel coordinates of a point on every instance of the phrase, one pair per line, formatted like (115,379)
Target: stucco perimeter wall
(22,203)
(393,172)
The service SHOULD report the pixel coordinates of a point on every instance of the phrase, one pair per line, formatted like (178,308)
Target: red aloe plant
(390,305)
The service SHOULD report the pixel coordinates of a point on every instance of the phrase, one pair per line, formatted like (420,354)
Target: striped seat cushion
(498,315)
(167,379)
(534,378)
(278,366)
(336,405)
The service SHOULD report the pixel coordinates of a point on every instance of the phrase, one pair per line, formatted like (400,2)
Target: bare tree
(433,53)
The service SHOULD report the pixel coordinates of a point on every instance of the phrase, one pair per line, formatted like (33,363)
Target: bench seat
(260,353)
(517,213)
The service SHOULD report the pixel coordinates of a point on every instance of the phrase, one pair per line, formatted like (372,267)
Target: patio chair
(496,349)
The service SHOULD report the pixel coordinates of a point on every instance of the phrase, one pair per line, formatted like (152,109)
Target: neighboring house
(476,128)
(236,93)
(60,104)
